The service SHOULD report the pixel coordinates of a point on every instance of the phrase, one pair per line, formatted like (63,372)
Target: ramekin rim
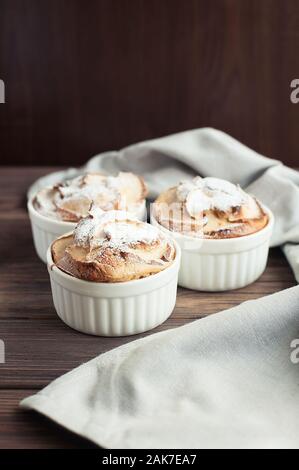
(51,266)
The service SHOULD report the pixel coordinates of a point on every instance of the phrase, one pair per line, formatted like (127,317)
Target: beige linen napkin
(208,152)
(226,381)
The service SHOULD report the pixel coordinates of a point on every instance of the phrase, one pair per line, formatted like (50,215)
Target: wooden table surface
(39,347)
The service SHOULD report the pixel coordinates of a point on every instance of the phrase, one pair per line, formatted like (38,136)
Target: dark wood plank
(28,430)
(85,77)
(14,185)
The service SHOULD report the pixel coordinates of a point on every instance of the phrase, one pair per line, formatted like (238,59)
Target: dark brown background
(88,76)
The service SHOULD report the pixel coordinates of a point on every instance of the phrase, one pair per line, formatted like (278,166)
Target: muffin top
(209,208)
(72,199)
(112,247)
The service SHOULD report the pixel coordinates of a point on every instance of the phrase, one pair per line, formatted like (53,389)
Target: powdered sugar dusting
(202,194)
(122,232)
(89,187)
(71,199)
(117,229)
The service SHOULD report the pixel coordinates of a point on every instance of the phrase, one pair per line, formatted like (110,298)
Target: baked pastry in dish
(114,275)
(112,247)
(209,208)
(71,200)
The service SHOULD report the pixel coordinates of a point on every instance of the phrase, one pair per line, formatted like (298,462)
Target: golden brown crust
(236,221)
(108,265)
(70,201)
(113,262)
(132,187)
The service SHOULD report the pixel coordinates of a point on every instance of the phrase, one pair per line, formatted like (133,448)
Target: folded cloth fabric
(208,152)
(226,381)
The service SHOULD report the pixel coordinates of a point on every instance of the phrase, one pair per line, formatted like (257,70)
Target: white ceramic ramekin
(114,309)
(45,230)
(219,265)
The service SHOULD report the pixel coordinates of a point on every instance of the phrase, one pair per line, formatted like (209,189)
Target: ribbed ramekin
(114,309)
(45,230)
(219,265)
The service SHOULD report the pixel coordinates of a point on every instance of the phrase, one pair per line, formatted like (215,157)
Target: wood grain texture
(85,77)
(39,347)
(22,429)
